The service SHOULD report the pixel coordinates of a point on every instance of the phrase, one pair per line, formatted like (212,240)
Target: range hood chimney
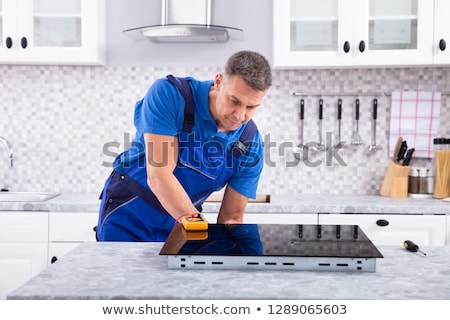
(185,21)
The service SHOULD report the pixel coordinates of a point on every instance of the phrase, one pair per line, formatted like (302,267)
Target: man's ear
(218,80)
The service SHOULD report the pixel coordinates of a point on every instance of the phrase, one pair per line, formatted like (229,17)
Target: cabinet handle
(442,45)
(24,42)
(362,46)
(94,229)
(9,42)
(382,223)
(53,259)
(346,46)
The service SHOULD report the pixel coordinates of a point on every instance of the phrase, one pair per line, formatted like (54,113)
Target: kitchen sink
(26,196)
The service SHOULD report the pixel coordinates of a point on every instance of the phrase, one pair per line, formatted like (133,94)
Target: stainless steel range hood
(185,21)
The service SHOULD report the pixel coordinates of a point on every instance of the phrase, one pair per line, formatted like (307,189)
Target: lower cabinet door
(393,229)
(72,226)
(19,262)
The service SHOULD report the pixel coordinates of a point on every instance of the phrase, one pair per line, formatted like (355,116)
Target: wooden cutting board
(260,198)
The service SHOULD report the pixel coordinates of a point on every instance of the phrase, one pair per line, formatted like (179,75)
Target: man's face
(235,102)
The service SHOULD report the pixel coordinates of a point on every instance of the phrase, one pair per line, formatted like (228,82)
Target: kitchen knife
(408,157)
(401,152)
(397,148)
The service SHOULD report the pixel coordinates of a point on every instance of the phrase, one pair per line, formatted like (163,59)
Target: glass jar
(423,181)
(430,181)
(441,168)
(413,185)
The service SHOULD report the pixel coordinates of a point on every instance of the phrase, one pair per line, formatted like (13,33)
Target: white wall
(59,118)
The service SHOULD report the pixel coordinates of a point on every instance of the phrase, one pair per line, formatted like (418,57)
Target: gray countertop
(294,203)
(137,271)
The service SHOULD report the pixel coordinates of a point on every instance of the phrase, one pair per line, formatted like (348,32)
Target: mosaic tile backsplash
(66,124)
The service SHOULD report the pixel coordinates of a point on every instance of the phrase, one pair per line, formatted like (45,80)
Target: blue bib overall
(130,211)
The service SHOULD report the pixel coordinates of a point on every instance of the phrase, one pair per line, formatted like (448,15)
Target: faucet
(10,151)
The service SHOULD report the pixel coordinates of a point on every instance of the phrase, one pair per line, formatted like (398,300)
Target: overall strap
(183,85)
(241,145)
(142,192)
(149,197)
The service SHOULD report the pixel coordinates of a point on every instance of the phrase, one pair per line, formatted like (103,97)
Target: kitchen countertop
(293,203)
(110,270)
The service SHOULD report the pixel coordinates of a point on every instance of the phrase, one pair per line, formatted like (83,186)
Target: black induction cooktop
(272,246)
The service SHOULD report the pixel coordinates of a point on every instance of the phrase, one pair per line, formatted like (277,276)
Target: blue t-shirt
(161,111)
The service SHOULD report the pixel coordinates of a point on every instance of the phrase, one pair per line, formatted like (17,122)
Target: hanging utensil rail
(349,94)
(340,94)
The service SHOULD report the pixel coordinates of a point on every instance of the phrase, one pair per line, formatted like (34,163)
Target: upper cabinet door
(326,33)
(53,31)
(441,43)
(393,32)
(8,29)
(312,33)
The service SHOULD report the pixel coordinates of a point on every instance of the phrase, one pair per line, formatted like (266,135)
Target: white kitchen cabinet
(307,33)
(52,31)
(23,247)
(67,230)
(441,49)
(353,32)
(425,230)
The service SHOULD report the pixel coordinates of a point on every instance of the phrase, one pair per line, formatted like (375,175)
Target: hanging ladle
(374,146)
(340,144)
(300,148)
(319,146)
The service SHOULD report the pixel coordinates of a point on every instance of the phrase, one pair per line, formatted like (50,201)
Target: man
(192,138)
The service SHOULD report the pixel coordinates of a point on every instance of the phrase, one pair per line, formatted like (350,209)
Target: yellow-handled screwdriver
(411,246)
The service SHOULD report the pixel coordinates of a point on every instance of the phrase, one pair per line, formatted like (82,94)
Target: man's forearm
(171,194)
(233,207)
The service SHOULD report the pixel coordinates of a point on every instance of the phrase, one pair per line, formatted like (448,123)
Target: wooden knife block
(395,183)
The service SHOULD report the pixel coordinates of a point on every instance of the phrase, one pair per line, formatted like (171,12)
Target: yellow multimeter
(194,222)
(195,234)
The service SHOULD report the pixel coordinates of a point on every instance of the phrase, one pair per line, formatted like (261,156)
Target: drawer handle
(382,223)
(53,260)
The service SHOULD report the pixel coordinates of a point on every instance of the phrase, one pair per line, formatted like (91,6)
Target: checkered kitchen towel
(415,118)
